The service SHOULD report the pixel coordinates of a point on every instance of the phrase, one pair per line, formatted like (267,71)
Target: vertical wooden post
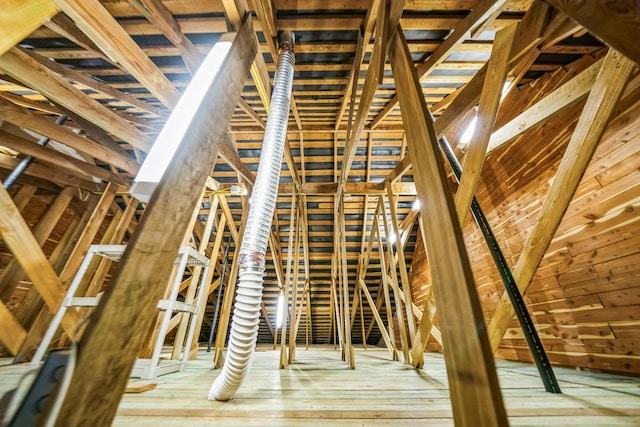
(284,358)
(474,389)
(348,349)
(402,264)
(294,290)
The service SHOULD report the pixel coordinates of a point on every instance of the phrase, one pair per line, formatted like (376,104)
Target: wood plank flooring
(319,390)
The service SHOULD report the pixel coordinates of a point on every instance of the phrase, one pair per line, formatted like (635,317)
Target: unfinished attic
(398,213)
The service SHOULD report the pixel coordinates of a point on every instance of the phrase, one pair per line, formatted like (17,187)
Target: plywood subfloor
(320,390)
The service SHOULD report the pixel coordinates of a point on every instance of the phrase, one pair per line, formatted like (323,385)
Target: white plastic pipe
(246,316)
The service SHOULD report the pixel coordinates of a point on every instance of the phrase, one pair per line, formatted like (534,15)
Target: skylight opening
(280,311)
(174,130)
(505,90)
(468,132)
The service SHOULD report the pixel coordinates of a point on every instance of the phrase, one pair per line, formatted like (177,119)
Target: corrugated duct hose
(244,327)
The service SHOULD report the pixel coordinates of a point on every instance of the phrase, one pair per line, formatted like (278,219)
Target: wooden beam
(474,389)
(528,35)
(295,287)
(567,94)
(13,273)
(64,26)
(95,21)
(353,188)
(19,18)
(12,334)
(601,102)
(482,11)
(286,290)
(395,283)
(402,266)
(347,348)
(18,63)
(127,308)
(156,12)
(18,237)
(229,154)
(378,319)
(24,194)
(56,159)
(252,113)
(373,78)
(92,83)
(384,278)
(486,118)
(617,22)
(235,11)
(401,168)
(49,174)
(25,118)
(364,36)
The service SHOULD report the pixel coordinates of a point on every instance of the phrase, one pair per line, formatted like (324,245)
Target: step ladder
(143,368)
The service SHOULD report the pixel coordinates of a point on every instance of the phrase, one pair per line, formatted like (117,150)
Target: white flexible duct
(244,327)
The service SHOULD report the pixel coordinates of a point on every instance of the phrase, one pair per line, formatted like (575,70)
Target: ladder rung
(163,304)
(81,301)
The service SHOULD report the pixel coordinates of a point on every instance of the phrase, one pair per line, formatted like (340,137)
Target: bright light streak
(392,237)
(179,121)
(280,312)
(468,133)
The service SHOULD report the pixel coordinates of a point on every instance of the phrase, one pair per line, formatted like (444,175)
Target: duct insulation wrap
(244,326)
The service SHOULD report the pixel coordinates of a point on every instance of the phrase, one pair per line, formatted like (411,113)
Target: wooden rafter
(19,18)
(602,100)
(13,273)
(616,22)
(95,21)
(373,78)
(156,12)
(25,118)
(18,237)
(482,11)
(487,113)
(20,65)
(566,95)
(55,159)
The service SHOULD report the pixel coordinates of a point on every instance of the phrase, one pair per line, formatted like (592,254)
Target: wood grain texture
(567,94)
(19,18)
(23,67)
(12,334)
(95,21)
(475,393)
(23,117)
(128,307)
(616,22)
(487,113)
(18,237)
(482,10)
(607,89)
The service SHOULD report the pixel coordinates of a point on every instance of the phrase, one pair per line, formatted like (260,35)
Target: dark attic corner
(302,212)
